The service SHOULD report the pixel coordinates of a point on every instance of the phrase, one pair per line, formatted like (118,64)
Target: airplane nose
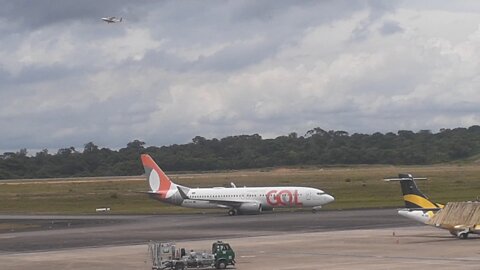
(329,198)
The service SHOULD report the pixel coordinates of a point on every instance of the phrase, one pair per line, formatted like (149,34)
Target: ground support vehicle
(168,256)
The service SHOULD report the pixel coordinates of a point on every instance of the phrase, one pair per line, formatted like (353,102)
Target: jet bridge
(460,218)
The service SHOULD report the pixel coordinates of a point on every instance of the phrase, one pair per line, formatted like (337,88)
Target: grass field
(353,187)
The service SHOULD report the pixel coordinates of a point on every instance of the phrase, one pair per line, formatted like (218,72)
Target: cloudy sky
(173,70)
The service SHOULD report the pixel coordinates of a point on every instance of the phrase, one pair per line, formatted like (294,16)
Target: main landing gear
(232,212)
(460,235)
(463,235)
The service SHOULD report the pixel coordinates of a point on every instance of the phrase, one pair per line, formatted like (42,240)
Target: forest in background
(316,147)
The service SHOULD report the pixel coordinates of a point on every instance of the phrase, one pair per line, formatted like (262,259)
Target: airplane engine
(250,208)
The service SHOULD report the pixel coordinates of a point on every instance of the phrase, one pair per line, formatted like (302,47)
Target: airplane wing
(422,209)
(226,203)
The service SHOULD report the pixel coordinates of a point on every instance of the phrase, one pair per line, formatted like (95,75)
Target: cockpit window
(320,193)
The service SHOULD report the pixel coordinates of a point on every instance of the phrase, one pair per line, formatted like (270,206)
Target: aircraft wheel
(463,236)
(232,212)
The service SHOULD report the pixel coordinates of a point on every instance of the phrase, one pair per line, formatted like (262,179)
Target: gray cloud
(376,10)
(176,69)
(390,27)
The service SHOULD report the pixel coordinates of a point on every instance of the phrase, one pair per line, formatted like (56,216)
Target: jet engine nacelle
(250,208)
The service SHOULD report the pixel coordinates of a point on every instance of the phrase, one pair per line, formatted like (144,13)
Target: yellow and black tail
(413,197)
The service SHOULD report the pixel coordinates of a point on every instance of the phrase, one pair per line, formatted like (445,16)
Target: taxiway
(353,239)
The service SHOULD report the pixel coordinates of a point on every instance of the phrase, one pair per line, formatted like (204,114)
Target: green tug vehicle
(168,256)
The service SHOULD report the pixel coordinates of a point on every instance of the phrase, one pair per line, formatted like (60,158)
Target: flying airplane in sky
(112,19)
(238,200)
(421,209)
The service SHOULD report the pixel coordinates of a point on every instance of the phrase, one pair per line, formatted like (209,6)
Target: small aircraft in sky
(112,19)
(421,209)
(238,200)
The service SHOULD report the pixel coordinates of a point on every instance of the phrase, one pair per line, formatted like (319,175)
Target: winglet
(182,193)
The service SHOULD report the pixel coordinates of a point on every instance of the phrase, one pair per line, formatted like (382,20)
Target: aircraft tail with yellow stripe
(417,205)
(412,196)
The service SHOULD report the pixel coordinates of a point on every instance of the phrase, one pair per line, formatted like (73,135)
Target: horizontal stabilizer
(151,192)
(183,194)
(404,179)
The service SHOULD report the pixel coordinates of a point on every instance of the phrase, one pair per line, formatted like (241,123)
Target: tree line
(316,147)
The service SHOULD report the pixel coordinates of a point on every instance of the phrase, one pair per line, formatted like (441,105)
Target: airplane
(238,200)
(420,208)
(112,20)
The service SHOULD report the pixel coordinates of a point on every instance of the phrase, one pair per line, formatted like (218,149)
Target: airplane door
(309,196)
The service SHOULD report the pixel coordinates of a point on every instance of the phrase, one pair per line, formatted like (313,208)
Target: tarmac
(394,248)
(362,239)
(44,232)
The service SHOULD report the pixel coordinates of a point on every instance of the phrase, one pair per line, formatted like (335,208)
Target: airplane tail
(159,182)
(412,196)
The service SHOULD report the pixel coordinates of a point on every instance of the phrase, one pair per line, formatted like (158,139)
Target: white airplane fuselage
(266,197)
(417,215)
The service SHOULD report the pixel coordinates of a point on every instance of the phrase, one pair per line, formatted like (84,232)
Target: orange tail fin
(157,179)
